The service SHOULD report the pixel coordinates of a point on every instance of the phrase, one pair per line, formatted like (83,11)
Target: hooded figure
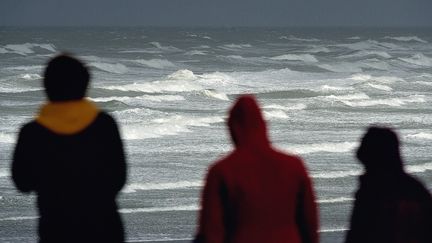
(71,156)
(391,206)
(256,193)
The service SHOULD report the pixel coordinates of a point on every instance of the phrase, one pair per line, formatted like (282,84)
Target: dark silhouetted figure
(72,157)
(391,206)
(256,193)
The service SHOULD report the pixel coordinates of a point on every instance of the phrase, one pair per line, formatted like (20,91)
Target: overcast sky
(217,12)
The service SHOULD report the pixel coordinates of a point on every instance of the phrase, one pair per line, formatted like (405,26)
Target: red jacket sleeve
(211,227)
(307,213)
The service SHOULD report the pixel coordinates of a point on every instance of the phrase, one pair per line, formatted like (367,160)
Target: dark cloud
(217,12)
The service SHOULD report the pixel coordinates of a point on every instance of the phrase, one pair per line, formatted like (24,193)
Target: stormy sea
(170,88)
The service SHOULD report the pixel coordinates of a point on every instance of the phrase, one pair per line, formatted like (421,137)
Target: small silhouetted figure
(391,206)
(71,156)
(256,193)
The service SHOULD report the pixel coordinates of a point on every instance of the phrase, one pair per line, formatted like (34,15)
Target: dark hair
(379,150)
(65,78)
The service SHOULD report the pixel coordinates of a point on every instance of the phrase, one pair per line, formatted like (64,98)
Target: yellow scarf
(67,117)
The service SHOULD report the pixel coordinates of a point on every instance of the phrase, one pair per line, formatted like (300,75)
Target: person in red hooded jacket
(256,193)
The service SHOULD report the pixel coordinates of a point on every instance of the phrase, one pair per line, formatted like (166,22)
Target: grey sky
(217,12)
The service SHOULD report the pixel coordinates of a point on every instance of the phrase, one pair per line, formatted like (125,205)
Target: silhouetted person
(256,193)
(391,206)
(72,157)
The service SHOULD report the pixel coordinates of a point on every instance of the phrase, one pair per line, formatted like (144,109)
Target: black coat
(391,208)
(76,178)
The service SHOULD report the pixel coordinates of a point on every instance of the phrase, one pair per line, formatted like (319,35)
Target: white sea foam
(380,87)
(26,68)
(393,102)
(156,63)
(323,230)
(337,174)
(134,187)
(278,114)
(214,94)
(30,76)
(421,168)
(341,68)
(381,79)
(196,52)
(340,147)
(369,45)
(294,38)
(355,96)
(329,88)
(318,49)
(406,38)
(164,48)
(237,46)
(160,209)
(7,137)
(363,53)
(26,48)
(335,200)
(287,107)
(421,135)
(183,74)
(167,126)
(308,58)
(116,68)
(418,59)
(354,38)
(137,99)
(19,218)
(4,173)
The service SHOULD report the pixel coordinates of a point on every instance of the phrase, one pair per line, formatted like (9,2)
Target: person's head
(379,150)
(246,123)
(65,78)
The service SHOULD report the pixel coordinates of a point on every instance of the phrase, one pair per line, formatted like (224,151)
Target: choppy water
(170,89)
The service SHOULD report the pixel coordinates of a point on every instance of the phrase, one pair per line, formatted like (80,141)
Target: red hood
(246,123)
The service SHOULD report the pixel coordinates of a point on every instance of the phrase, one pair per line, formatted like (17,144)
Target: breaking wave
(382,54)
(27,48)
(156,63)
(19,218)
(392,102)
(336,200)
(134,187)
(418,59)
(278,114)
(216,95)
(116,68)
(421,168)
(337,174)
(421,135)
(342,147)
(137,99)
(308,58)
(406,38)
(7,138)
(160,209)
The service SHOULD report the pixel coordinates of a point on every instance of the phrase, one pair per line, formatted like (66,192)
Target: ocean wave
(363,53)
(335,200)
(381,79)
(196,52)
(164,48)
(341,68)
(183,74)
(166,126)
(418,59)
(30,76)
(340,147)
(237,46)
(370,44)
(134,187)
(4,173)
(421,135)
(323,230)
(159,209)
(15,89)
(214,94)
(329,88)
(19,218)
(318,49)
(392,102)
(286,108)
(116,68)
(26,48)
(134,100)
(380,87)
(355,96)
(375,64)
(278,114)
(294,38)
(26,68)
(156,63)
(336,174)
(420,168)
(7,138)
(406,38)
(308,58)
